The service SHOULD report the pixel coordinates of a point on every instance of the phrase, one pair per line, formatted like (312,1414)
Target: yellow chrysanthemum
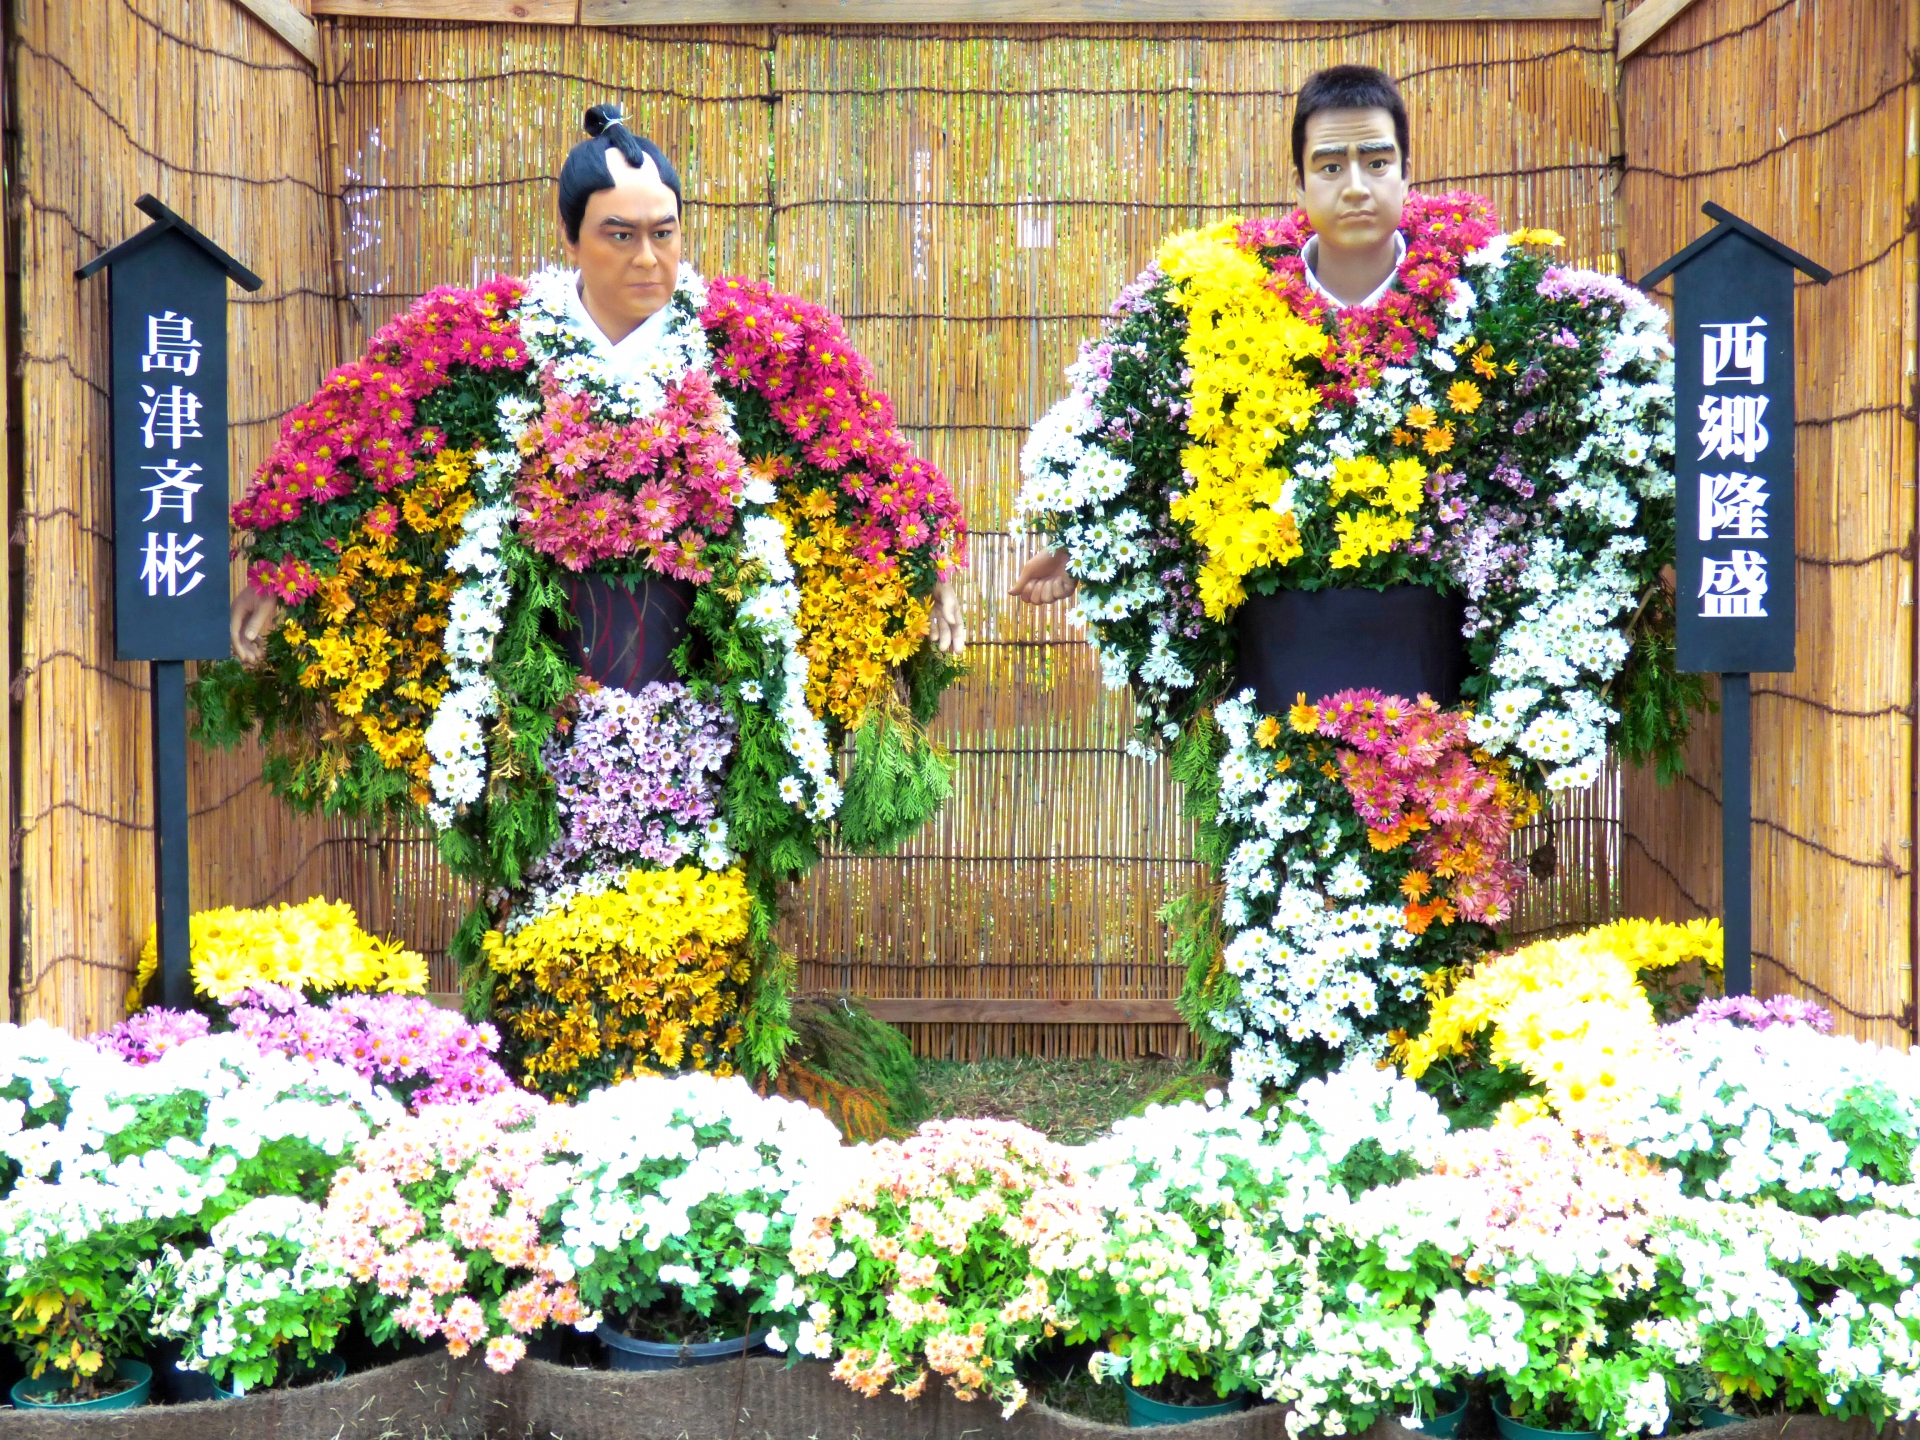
(300,946)
(1571,1012)
(1247,394)
(643,978)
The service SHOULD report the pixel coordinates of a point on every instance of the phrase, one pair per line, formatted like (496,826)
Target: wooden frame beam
(1648,21)
(291,23)
(929,12)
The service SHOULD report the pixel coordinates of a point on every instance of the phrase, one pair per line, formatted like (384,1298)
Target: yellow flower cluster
(1397,492)
(375,657)
(1247,395)
(313,947)
(643,978)
(857,619)
(1571,1012)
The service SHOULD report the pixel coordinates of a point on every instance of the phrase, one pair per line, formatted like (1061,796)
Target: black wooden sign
(168,304)
(1734,504)
(168,294)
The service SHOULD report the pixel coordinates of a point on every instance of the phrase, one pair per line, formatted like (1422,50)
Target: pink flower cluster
(1510,1194)
(1746,1012)
(427,1196)
(1440,230)
(360,427)
(145,1037)
(1411,770)
(957,1200)
(798,357)
(659,488)
(399,1040)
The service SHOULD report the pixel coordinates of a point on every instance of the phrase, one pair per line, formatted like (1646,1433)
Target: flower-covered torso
(423,517)
(1494,427)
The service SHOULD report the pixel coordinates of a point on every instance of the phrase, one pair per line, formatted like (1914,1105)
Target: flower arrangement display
(111,1161)
(314,947)
(1738,1227)
(641,976)
(441,1220)
(1497,427)
(419,518)
(258,1302)
(943,1254)
(680,1214)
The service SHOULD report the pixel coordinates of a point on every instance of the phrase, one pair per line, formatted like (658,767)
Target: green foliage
(897,781)
(836,1037)
(1656,702)
(1194,945)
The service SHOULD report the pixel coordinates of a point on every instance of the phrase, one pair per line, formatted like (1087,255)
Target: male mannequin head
(1350,160)
(620,223)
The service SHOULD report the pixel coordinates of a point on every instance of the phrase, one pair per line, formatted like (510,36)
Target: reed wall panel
(1800,119)
(203,106)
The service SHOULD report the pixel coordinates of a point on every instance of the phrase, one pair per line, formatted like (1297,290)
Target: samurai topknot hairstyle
(586,172)
(1347,87)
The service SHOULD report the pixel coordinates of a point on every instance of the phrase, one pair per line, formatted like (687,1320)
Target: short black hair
(1347,87)
(586,174)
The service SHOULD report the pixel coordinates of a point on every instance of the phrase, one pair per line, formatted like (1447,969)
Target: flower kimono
(447,510)
(1495,431)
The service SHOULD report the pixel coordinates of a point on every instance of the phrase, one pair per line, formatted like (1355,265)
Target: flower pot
(1511,1429)
(1142,1412)
(1401,641)
(1712,1417)
(626,1353)
(626,637)
(1452,1409)
(171,1384)
(327,1367)
(34,1394)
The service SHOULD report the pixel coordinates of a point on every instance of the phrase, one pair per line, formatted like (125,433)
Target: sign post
(1733,504)
(167,294)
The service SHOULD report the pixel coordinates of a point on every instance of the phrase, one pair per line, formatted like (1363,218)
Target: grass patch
(1078,1393)
(1070,1101)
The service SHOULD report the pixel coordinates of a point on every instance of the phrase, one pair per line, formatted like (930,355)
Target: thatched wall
(1799,118)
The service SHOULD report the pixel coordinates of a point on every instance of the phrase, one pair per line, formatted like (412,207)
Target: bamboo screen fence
(967,197)
(1803,124)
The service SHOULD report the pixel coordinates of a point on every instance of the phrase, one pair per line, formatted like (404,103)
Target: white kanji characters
(173,490)
(1730,425)
(170,345)
(1734,588)
(1733,507)
(172,414)
(1735,347)
(169,562)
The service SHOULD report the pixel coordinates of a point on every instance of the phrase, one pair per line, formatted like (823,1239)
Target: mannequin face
(1355,184)
(628,253)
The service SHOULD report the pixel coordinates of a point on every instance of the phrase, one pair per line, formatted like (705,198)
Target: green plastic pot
(1512,1429)
(34,1394)
(1142,1412)
(1446,1424)
(327,1367)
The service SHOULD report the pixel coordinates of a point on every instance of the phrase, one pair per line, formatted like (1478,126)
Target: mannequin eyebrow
(619,223)
(1365,147)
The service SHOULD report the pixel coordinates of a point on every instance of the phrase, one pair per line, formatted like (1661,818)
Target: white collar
(1312,248)
(639,342)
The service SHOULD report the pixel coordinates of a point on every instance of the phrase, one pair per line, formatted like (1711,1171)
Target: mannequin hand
(946,626)
(252,619)
(1044,579)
